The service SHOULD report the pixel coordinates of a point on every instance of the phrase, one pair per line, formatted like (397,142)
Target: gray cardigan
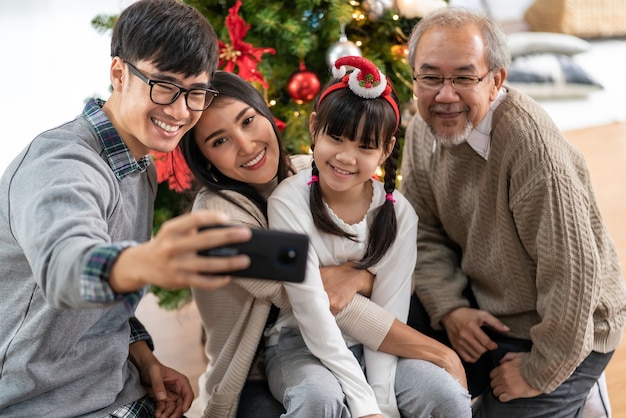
(61,355)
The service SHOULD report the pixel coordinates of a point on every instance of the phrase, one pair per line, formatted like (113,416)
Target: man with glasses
(515,269)
(76,253)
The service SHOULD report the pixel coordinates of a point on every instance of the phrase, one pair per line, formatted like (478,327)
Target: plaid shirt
(95,275)
(144,407)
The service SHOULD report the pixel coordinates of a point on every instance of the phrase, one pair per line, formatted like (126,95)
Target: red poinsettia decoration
(171,166)
(280,124)
(239,53)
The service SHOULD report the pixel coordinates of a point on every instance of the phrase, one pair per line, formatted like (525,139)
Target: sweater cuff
(365,321)
(138,333)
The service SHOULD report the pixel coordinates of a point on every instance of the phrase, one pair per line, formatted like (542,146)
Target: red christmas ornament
(303,85)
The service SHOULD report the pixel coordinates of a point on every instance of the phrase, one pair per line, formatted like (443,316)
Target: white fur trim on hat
(366,80)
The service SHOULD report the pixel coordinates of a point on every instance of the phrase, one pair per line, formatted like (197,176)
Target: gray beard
(456,139)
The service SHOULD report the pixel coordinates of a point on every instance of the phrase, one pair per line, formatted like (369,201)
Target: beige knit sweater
(525,229)
(234,318)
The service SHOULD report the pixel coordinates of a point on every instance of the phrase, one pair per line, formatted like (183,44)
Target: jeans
(308,389)
(567,401)
(301,382)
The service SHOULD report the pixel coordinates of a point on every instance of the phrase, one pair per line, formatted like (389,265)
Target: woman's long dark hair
(231,86)
(341,114)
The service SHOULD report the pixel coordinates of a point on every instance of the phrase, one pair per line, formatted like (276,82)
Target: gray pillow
(550,76)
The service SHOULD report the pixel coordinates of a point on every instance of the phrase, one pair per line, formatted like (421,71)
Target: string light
(358,15)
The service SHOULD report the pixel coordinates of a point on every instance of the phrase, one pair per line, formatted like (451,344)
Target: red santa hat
(365,81)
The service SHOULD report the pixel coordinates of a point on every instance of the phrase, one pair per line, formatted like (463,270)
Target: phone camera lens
(287,256)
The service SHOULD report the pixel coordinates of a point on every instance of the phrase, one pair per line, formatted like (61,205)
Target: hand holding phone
(274,255)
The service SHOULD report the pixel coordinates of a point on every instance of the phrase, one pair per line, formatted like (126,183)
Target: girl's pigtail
(384,227)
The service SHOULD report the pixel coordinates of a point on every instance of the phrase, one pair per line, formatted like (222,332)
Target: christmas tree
(307,36)
(285,49)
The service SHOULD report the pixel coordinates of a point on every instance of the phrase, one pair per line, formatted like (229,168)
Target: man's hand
(463,328)
(342,282)
(171,261)
(170,389)
(508,383)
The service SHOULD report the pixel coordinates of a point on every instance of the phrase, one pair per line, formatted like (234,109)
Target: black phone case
(274,255)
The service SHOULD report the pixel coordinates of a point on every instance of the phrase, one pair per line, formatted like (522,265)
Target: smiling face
(238,141)
(453,113)
(345,165)
(143,125)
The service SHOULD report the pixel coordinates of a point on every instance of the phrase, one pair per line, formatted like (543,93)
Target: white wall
(52,60)
(502,10)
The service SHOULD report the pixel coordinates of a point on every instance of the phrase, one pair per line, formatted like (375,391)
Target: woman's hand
(342,282)
(170,389)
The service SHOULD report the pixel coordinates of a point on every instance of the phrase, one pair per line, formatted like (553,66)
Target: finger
(187,398)
(196,240)
(217,237)
(168,408)
(183,391)
(218,265)
(156,383)
(475,344)
(467,352)
(484,341)
(498,391)
(505,397)
(494,323)
(508,357)
(193,220)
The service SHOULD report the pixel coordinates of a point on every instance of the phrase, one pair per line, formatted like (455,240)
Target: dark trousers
(567,401)
(257,401)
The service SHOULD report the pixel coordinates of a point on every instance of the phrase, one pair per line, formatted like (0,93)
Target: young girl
(348,217)
(236,155)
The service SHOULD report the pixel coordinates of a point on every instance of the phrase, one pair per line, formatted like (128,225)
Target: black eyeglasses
(165,93)
(459,82)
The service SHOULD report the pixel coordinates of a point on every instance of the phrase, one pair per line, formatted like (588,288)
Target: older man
(515,269)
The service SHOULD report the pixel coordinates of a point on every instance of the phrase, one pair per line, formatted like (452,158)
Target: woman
(235,153)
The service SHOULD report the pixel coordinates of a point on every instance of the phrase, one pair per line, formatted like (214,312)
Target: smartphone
(274,255)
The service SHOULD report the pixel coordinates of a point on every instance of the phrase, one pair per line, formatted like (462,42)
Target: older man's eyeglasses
(165,93)
(459,82)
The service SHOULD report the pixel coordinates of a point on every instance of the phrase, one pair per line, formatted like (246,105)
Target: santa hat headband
(365,81)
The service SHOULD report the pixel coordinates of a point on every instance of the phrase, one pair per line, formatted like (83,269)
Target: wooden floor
(177,334)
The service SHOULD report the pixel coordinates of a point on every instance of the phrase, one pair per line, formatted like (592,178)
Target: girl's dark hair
(340,114)
(231,86)
(172,34)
